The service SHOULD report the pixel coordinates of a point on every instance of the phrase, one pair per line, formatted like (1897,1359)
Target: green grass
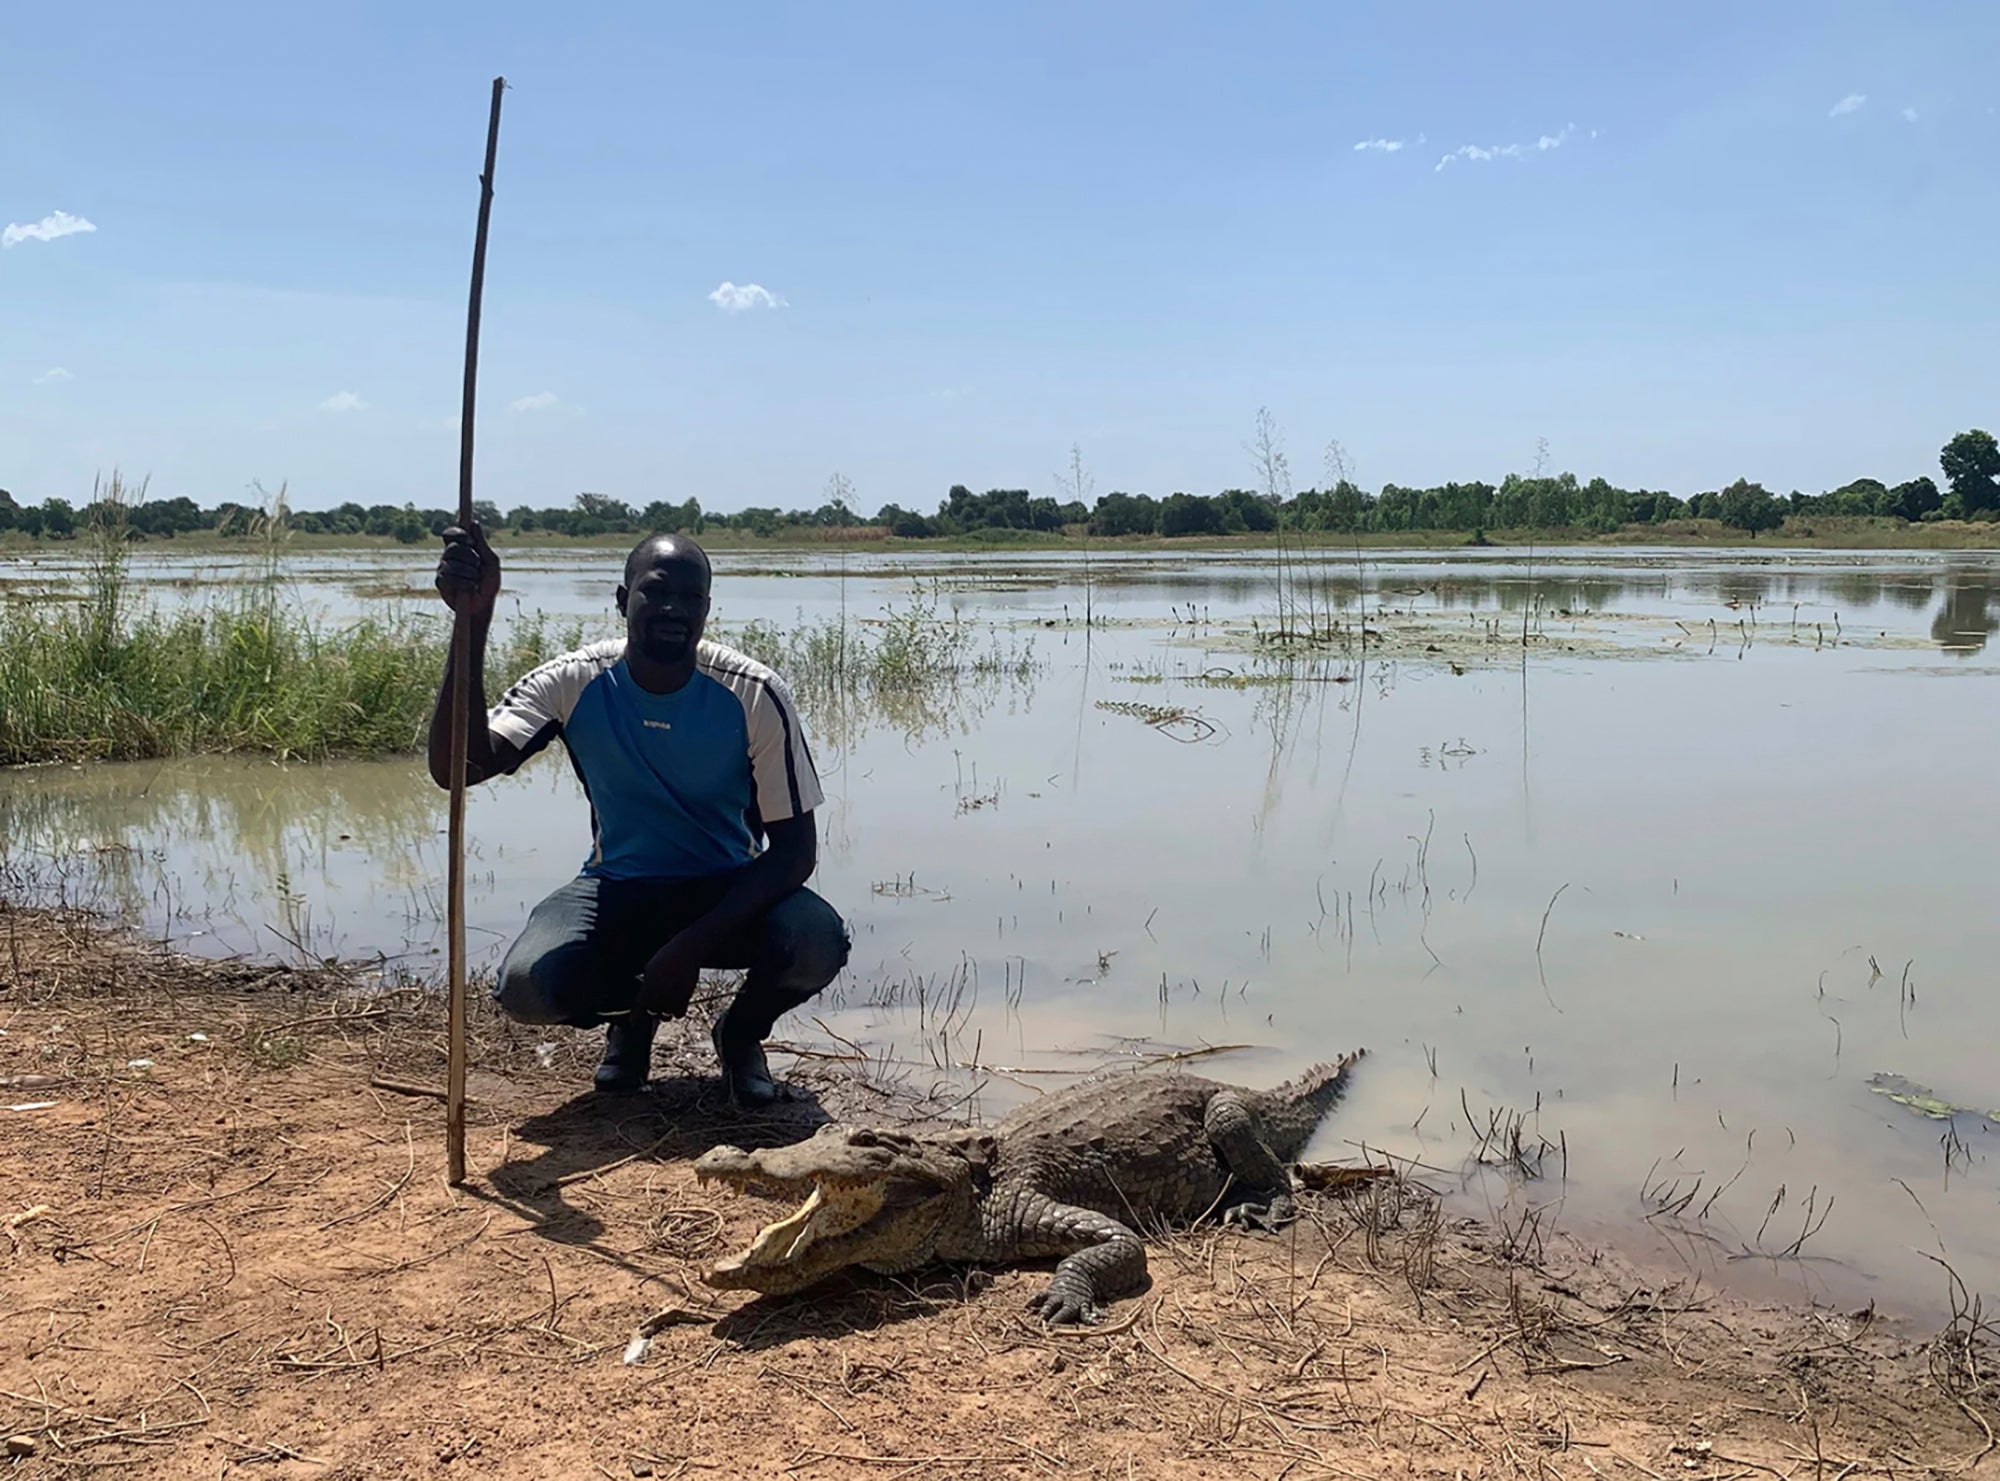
(913,667)
(91,680)
(249,674)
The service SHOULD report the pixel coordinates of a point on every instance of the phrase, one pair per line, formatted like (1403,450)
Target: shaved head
(664,601)
(657,550)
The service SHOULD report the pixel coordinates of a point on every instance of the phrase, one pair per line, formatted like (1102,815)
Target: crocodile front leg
(1099,1259)
(1232,1130)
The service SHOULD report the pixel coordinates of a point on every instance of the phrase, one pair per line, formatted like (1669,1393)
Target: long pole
(461,678)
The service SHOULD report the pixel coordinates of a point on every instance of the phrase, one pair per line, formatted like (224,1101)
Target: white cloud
(51,376)
(952,393)
(343,401)
(1385,146)
(1852,103)
(55,224)
(1909,115)
(734,300)
(540,401)
(1480,153)
(438,424)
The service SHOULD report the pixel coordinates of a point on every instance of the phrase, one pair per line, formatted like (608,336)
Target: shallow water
(1639,886)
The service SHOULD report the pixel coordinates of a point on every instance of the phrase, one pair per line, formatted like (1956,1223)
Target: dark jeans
(578,959)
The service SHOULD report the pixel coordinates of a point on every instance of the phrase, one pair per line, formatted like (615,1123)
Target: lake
(1673,898)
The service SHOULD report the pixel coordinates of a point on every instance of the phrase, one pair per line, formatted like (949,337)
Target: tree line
(1970,463)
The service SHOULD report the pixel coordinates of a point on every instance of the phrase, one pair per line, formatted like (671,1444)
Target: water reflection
(1964,622)
(218,844)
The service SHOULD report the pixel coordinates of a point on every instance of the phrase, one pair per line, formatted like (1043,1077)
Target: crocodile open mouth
(808,1243)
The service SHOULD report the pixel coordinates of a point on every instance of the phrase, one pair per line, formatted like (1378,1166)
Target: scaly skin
(1077,1177)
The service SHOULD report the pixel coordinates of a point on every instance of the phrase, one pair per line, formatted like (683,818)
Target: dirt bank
(228,1252)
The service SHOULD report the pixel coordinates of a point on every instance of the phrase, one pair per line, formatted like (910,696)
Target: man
(689,753)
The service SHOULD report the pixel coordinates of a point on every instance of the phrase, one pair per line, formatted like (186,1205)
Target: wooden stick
(461,679)
(404,1087)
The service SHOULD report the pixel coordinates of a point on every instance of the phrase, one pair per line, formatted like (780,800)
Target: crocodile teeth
(784,1239)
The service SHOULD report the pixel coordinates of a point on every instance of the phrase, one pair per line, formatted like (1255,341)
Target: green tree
(1239,509)
(1913,500)
(1189,514)
(662,516)
(1125,514)
(1749,506)
(1862,496)
(1971,463)
(176,516)
(1346,507)
(614,514)
(58,519)
(905,524)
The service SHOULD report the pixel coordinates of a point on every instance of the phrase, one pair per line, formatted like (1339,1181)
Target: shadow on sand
(676,1118)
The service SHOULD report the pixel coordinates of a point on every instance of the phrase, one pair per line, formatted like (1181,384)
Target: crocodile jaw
(872,1198)
(806,1246)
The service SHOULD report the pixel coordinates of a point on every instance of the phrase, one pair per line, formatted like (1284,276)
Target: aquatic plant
(91,678)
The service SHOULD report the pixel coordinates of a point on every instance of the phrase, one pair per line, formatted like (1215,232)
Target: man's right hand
(468,573)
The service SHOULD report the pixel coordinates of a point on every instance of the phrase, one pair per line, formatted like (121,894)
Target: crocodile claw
(1064,1306)
(1269,1217)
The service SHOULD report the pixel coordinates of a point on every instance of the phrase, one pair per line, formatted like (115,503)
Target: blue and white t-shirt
(682,784)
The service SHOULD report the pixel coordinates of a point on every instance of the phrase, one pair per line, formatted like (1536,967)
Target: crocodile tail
(1320,1088)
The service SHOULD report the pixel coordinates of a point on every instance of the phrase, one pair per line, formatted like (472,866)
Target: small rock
(20,1445)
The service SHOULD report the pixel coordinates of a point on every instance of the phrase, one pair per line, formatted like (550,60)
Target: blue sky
(1694,242)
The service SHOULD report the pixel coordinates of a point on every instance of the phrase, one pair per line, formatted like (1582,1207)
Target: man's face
(666,608)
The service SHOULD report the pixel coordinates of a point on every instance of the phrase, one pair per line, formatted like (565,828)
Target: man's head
(664,597)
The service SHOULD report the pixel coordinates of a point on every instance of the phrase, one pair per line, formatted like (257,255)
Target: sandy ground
(228,1253)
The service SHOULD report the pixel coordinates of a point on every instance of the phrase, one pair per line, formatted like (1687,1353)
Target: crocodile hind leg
(1254,1168)
(1101,1259)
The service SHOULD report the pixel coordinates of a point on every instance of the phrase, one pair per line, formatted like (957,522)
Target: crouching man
(701,792)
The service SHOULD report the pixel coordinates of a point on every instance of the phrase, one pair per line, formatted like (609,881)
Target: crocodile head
(877,1199)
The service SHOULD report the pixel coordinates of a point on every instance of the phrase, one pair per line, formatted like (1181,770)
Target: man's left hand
(668,981)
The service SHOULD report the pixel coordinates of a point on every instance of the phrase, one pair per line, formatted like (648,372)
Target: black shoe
(745,1071)
(628,1052)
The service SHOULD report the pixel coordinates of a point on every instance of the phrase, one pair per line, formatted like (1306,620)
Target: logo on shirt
(658,725)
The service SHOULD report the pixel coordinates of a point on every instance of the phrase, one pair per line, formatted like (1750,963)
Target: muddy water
(1675,887)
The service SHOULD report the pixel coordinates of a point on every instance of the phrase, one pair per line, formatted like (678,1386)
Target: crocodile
(1076,1177)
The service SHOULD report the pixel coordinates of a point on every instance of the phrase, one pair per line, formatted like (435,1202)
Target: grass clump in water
(914,667)
(96,680)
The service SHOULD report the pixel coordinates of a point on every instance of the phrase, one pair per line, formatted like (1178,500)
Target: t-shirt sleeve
(781,764)
(531,713)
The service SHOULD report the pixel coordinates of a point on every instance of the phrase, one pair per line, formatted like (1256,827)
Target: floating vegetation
(1922,1100)
(1190,727)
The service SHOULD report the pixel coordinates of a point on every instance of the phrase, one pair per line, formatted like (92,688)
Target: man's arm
(668,981)
(468,578)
